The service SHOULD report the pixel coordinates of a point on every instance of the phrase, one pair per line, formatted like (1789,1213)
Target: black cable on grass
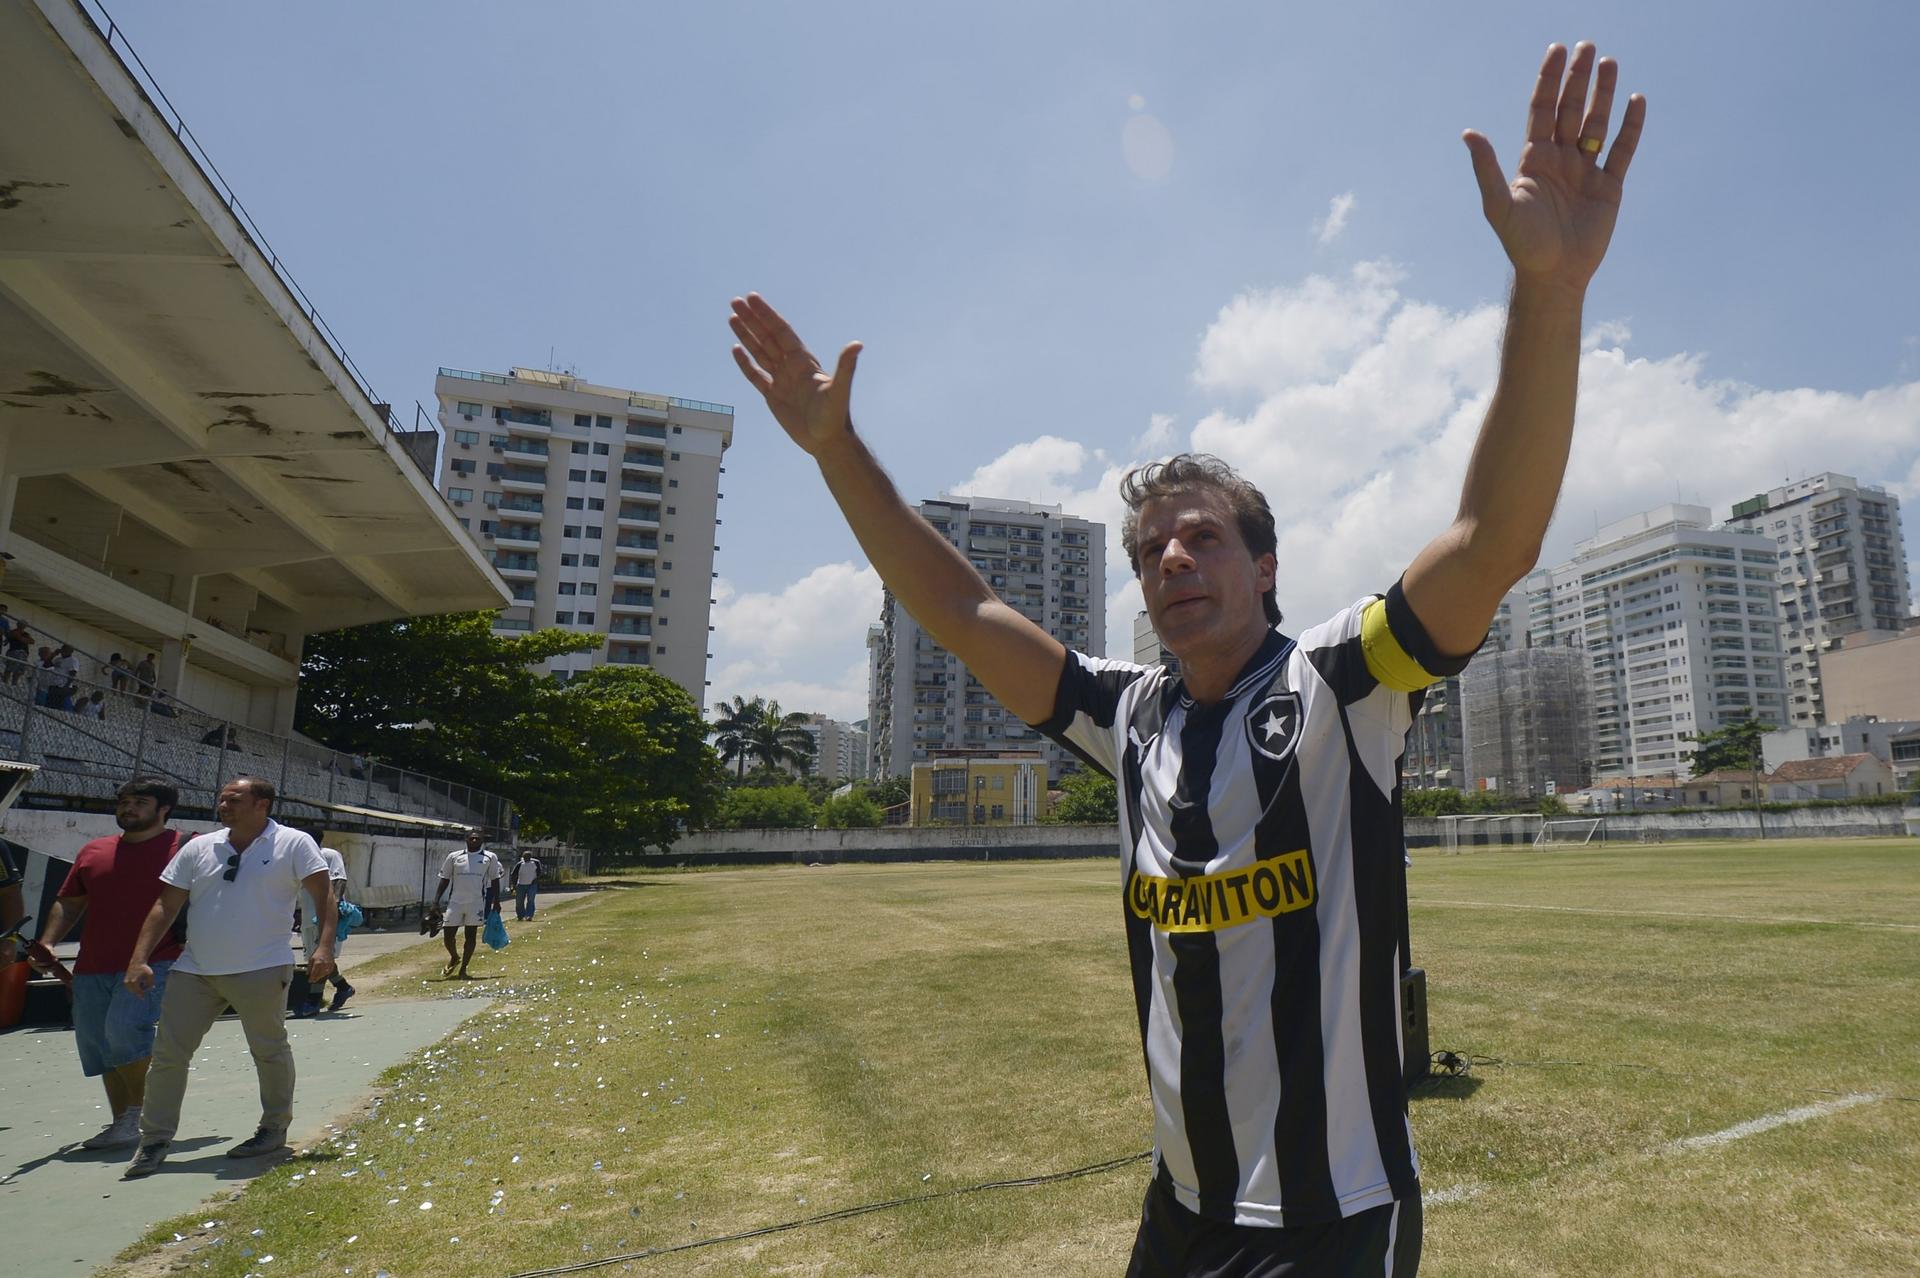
(844,1213)
(1457,1064)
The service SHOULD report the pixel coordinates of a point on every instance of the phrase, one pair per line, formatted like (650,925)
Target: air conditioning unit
(459,503)
(468,416)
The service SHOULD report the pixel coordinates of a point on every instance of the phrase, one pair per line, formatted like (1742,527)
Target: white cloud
(804,645)
(1264,340)
(1157,438)
(1327,229)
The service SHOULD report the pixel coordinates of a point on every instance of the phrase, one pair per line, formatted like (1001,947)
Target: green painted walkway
(64,1210)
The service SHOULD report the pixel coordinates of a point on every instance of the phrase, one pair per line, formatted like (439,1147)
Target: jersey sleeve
(1377,642)
(1086,706)
(446,866)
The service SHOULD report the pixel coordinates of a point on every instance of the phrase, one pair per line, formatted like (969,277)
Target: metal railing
(88,738)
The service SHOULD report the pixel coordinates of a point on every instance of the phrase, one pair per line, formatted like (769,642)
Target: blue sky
(475,184)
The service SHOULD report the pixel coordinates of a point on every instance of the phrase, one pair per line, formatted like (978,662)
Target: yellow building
(1005,789)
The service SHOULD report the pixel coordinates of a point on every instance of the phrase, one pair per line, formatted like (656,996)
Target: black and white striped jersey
(1261,855)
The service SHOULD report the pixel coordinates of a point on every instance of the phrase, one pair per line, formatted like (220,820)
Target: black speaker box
(1416,1058)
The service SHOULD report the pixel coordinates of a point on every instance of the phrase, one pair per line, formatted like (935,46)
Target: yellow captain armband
(1387,660)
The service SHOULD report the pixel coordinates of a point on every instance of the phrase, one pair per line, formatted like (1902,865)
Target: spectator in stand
(94,707)
(212,737)
(526,884)
(145,675)
(243,882)
(114,882)
(119,675)
(359,769)
(19,645)
(474,879)
(310,937)
(66,669)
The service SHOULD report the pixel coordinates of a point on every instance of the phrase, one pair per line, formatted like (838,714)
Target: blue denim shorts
(113,1026)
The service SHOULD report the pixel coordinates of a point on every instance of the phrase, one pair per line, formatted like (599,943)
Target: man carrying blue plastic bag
(470,885)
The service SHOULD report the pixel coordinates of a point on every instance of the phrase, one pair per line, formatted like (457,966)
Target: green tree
(854,811)
(1734,746)
(766,808)
(780,740)
(730,722)
(624,761)
(1432,803)
(442,695)
(890,792)
(1086,798)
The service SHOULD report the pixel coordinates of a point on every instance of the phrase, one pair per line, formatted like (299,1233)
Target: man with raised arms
(1259,823)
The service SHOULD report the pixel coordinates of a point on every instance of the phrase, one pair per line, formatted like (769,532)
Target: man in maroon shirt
(114,882)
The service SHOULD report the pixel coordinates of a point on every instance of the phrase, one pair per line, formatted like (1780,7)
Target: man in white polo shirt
(242,884)
(470,883)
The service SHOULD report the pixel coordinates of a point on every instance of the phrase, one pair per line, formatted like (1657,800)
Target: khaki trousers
(188,1011)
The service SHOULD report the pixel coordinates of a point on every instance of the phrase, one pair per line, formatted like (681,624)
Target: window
(593,532)
(571,530)
(578,446)
(672,510)
(589,561)
(589,588)
(669,536)
(498,441)
(459,494)
(600,448)
(675,456)
(599,476)
(491,501)
(566,587)
(586,619)
(665,593)
(673,483)
(576,503)
(604,423)
(583,419)
(667,566)
(496,469)
(676,430)
(488,526)
(577,476)
(466,437)
(569,561)
(462,465)
(470,410)
(596,503)
(563,619)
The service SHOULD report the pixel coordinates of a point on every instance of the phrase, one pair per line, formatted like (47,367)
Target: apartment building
(1680,625)
(1045,563)
(980,788)
(1526,722)
(598,505)
(1435,757)
(839,748)
(1841,570)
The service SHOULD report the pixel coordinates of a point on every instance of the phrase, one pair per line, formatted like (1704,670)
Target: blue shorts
(113,1026)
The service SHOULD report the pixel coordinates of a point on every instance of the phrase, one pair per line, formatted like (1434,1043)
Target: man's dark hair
(258,787)
(159,791)
(1190,472)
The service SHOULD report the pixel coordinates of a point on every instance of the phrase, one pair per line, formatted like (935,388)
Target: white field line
(1767,1122)
(1468,1190)
(1665,914)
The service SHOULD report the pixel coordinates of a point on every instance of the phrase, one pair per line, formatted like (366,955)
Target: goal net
(1569,833)
(1494,830)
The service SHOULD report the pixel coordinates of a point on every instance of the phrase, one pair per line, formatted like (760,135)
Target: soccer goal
(1493,829)
(1575,832)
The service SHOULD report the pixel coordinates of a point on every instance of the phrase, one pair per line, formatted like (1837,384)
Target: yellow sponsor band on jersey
(1266,889)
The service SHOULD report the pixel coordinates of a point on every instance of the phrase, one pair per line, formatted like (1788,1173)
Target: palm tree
(777,739)
(732,722)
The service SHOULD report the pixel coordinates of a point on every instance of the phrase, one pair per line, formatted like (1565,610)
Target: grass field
(703,1053)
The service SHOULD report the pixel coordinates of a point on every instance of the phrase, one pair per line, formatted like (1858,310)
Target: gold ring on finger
(1590,145)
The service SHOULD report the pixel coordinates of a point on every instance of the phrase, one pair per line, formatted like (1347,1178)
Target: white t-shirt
(526,871)
(336,865)
(241,926)
(469,873)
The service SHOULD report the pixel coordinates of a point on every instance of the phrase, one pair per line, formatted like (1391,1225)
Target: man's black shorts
(1176,1243)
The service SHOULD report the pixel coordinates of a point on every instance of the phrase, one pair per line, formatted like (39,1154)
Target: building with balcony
(1841,570)
(1680,628)
(1525,722)
(1436,748)
(840,751)
(194,475)
(969,788)
(1048,565)
(598,505)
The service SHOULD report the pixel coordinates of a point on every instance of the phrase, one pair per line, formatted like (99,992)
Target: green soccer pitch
(1690,1059)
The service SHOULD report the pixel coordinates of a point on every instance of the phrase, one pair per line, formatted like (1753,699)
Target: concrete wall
(894,843)
(1698,823)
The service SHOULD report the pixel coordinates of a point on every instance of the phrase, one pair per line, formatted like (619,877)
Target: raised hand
(809,405)
(1556,217)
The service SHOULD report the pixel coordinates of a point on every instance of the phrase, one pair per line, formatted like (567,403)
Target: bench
(397,898)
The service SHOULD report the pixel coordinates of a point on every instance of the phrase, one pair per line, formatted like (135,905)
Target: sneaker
(309,1008)
(264,1141)
(341,993)
(146,1161)
(121,1132)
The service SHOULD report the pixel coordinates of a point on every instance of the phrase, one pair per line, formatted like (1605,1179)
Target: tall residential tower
(597,505)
